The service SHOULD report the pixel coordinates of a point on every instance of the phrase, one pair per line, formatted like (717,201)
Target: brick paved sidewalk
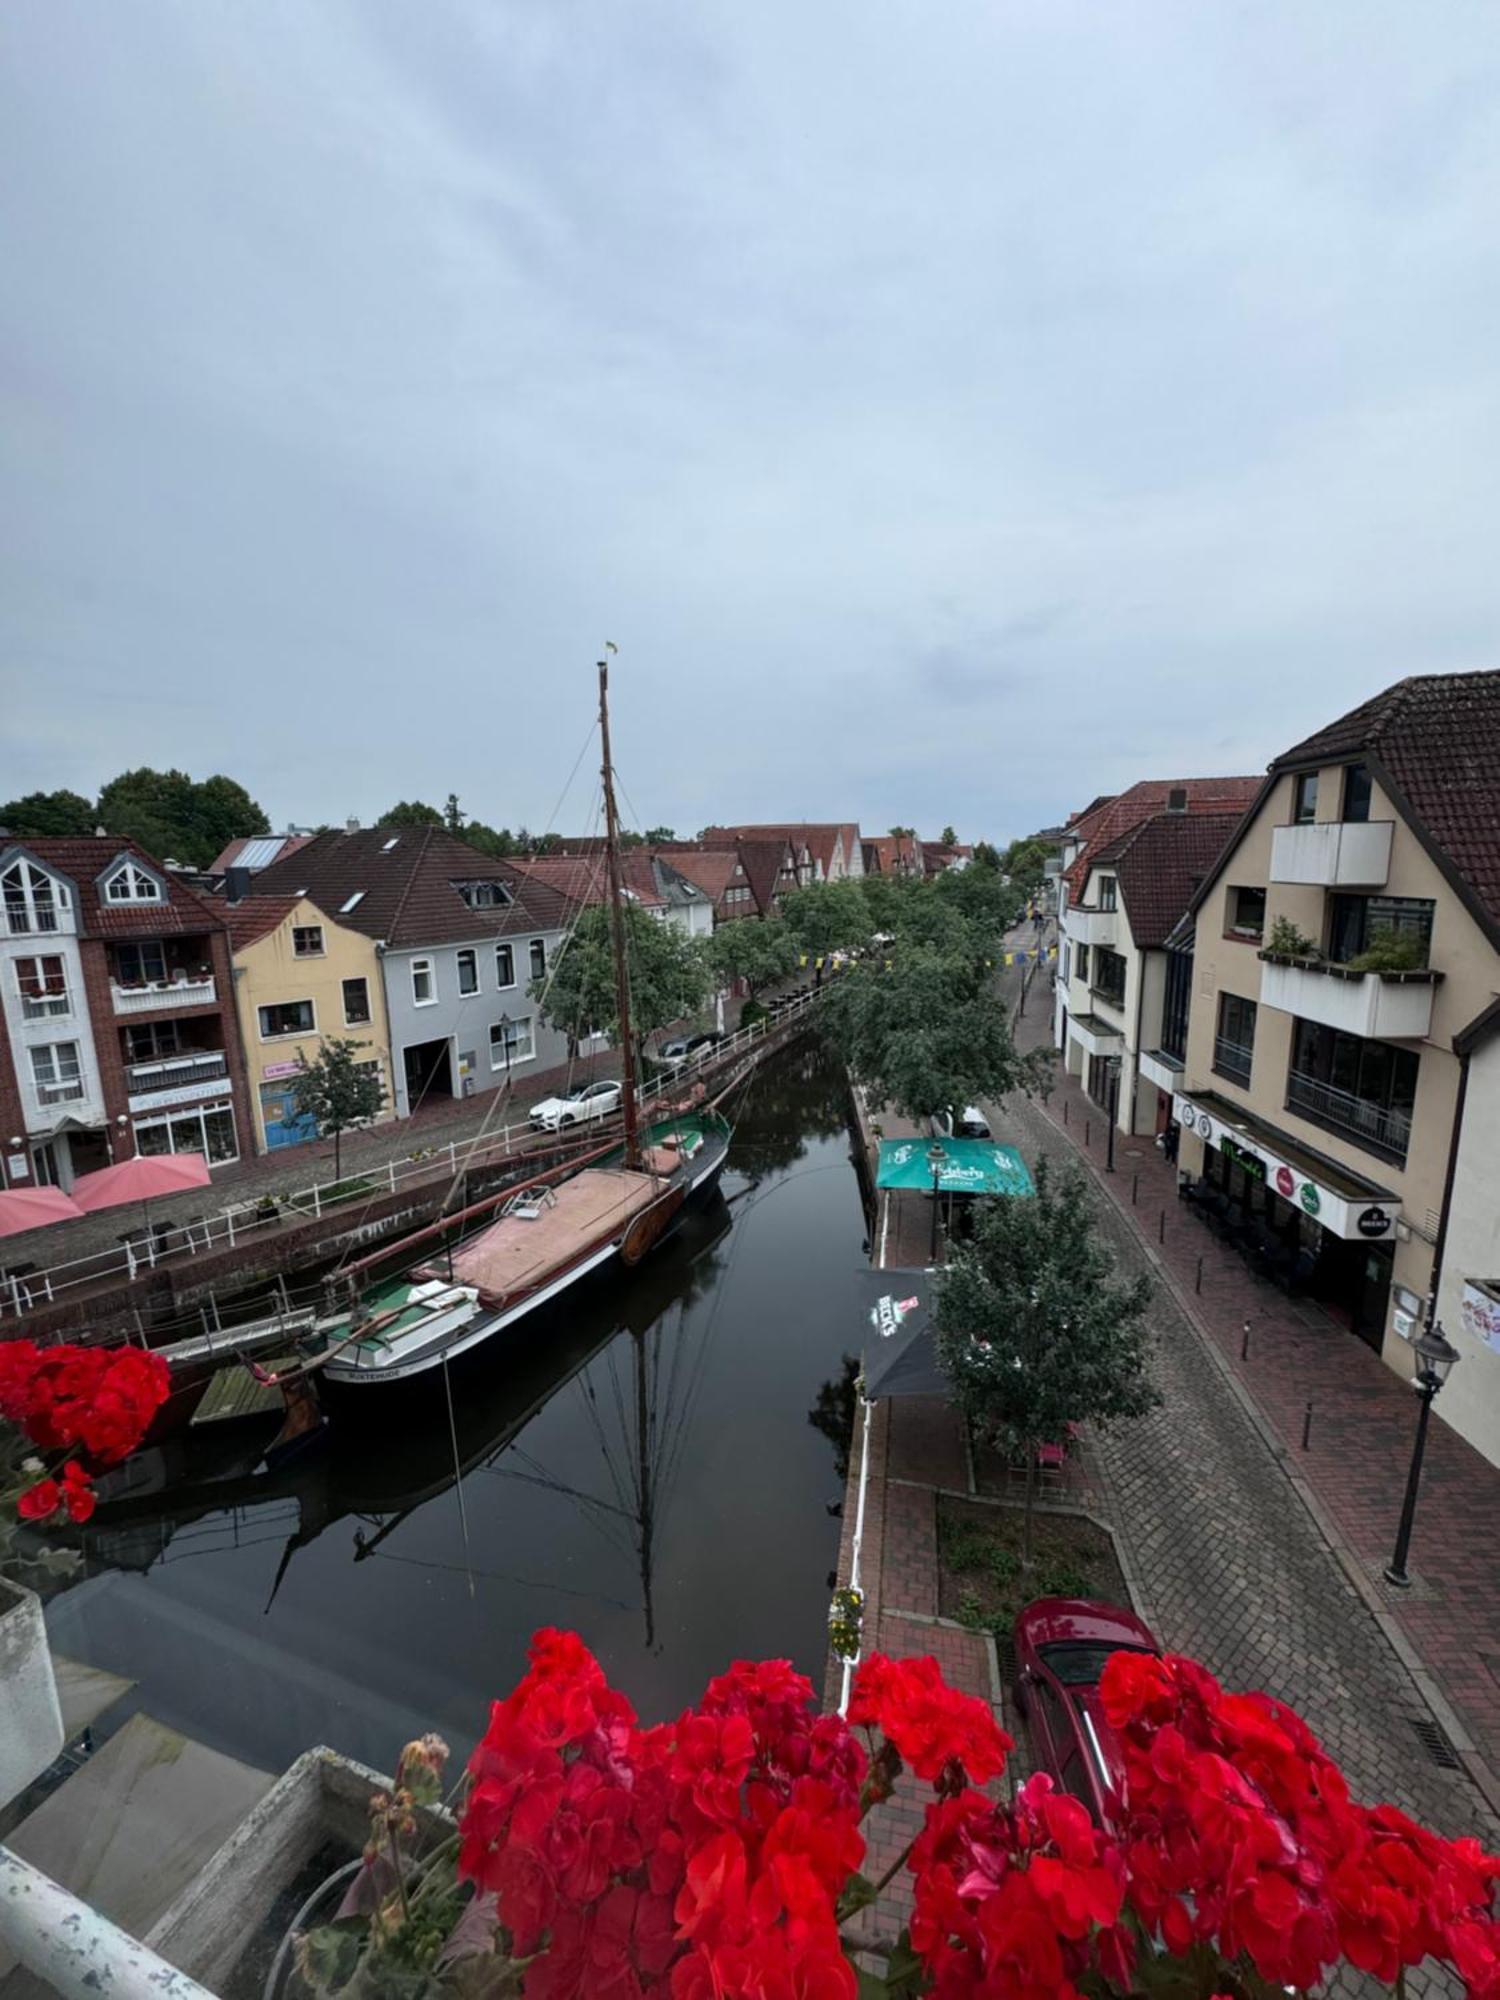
(1360,1430)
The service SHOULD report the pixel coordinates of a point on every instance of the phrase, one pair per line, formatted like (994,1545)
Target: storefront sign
(1481,1314)
(1348,1217)
(281,1069)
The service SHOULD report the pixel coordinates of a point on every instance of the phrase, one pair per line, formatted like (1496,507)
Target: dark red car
(1061,1646)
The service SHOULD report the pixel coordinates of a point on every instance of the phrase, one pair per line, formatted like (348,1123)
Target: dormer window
(1177,799)
(484,895)
(32,900)
(129,884)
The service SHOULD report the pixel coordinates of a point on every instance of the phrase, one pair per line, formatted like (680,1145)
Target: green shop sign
(1247,1163)
(1309,1198)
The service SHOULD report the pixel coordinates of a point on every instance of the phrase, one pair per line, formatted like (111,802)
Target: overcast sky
(951,411)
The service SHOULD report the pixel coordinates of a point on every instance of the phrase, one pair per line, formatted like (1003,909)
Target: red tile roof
(1434,741)
(710,869)
(255,917)
(405,879)
(84,860)
(763,862)
(1159,864)
(1107,819)
(820,837)
(585,878)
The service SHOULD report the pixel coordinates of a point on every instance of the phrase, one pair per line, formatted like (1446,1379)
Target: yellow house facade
(300,979)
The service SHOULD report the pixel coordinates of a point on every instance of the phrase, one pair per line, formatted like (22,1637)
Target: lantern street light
(1435,1359)
(935,1159)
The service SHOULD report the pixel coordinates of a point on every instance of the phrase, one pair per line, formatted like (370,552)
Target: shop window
(209,1131)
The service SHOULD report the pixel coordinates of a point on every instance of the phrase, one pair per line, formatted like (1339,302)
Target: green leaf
(328,1957)
(859,1894)
(905,1971)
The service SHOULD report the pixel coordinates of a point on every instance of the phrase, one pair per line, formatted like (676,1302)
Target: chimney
(236,884)
(351,825)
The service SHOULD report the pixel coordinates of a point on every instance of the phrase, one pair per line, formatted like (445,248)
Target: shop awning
(969,1166)
(898,1351)
(1346,1203)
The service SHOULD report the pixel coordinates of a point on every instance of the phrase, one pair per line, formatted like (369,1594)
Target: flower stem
(895,1867)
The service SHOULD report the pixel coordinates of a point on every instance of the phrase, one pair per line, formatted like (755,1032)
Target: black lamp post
(1114,1112)
(935,1158)
(1435,1358)
(506,1024)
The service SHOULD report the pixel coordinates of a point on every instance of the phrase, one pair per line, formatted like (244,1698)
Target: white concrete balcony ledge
(1091,926)
(160,993)
(1380,1006)
(1333,853)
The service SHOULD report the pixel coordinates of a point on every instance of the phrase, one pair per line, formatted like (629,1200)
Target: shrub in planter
(1288,942)
(1390,950)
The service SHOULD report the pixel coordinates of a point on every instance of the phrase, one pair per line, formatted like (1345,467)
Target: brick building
(117,1019)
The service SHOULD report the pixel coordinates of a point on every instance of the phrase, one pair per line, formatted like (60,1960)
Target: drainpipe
(76,1951)
(1440,1246)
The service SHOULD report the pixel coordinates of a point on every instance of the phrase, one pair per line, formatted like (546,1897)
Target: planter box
(31,1730)
(224,1929)
(1382,1006)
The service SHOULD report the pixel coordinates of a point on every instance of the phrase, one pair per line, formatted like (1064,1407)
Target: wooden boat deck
(519,1252)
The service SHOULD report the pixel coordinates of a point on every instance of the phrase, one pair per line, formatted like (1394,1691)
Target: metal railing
(21,922)
(171,1072)
(169,1242)
(1359,1117)
(66,1090)
(1232,1059)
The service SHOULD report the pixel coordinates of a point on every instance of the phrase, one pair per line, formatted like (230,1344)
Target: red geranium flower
(932,1725)
(40,1502)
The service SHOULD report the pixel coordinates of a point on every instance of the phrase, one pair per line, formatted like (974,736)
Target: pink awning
(141,1179)
(34,1208)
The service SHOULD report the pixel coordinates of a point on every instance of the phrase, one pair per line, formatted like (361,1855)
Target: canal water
(641,1469)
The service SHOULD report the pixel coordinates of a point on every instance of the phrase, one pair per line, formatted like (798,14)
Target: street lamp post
(506,1024)
(1435,1359)
(1114,1110)
(935,1159)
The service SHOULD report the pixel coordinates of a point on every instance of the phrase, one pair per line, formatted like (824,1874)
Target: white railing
(171,1072)
(168,1242)
(43,1006)
(155,993)
(65,1091)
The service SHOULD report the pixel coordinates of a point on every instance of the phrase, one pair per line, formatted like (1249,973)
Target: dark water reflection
(369,1593)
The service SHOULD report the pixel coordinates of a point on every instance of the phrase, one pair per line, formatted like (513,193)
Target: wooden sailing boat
(547,1237)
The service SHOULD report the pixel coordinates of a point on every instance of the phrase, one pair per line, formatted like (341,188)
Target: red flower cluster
(100,1399)
(73,1490)
(1012,1903)
(701,1858)
(1240,1830)
(948,1738)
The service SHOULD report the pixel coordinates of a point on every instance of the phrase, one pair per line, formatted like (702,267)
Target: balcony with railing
(1382,1128)
(176,1072)
(1333,854)
(45,1006)
(1232,1059)
(62,1090)
(34,919)
(150,996)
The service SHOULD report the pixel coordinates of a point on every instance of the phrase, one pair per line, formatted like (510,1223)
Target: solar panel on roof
(261,852)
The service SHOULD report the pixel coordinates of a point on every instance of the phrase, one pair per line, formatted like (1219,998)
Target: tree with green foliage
(175,817)
(669,977)
(499,843)
(1035,1328)
(826,917)
(453,814)
(948,838)
(41,813)
(758,951)
(412,812)
(338,1092)
(988,903)
(655,835)
(1023,861)
(921,1029)
(986,855)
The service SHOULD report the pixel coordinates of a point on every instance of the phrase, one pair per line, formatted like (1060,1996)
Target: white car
(595,1100)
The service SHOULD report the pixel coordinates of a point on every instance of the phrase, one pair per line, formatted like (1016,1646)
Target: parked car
(684,1049)
(970,1123)
(595,1100)
(1061,1646)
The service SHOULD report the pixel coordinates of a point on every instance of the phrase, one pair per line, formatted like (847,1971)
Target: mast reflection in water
(639,1467)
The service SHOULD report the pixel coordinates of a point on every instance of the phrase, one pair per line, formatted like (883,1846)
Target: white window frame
(429,967)
(44,1006)
(319,950)
(466,952)
(56,1069)
(286,1034)
(361,979)
(517,1057)
(180,1115)
(505,985)
(139,886)
(31,900)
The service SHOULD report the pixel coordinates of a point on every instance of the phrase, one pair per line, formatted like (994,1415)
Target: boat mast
(617,931)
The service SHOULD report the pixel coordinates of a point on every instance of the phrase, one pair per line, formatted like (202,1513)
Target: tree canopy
(175,817)
(948,838)
(669,977)
(1035,1329)
(412,812)
(54,813)
(757,952)
(1023,862)
(338,1092)
(827,916)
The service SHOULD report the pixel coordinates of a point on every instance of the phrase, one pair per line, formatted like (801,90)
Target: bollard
(1135,1188)
(1245,1343)
(1065,1111)
(1198,1281)
(1161,1228)
(1306,1425)
(1088,1126)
